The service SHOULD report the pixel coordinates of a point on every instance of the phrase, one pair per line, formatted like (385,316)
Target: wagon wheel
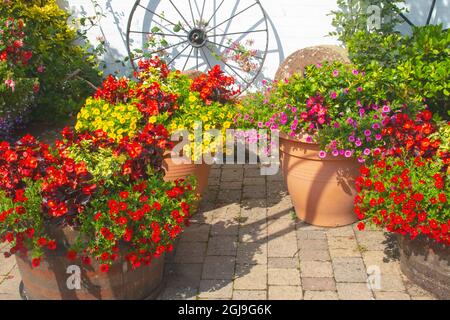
(199,34)
(429,17)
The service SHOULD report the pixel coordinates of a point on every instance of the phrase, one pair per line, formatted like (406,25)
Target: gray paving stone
(216,289)
(196,233)
(314,255)
(392,296)
(321,295)
(248,295)
(349,270)
(222,246)
(183,275)
(319,284)
(190,252)
(218,268)
(252,253)
(354,291)
(179,293)
(253,277)
(284,263)
(284,277)
(316,269)
(312,245)
(285,293)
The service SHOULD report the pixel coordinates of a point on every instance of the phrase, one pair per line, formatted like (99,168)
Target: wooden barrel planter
(427,264)
(52,279)
(322,190)
(182,171)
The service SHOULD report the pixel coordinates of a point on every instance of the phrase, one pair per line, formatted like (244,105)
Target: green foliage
(412,67)
(102,163)
(353,16)
(69,67)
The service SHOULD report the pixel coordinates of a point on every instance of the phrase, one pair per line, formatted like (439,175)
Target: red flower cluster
(13,40)
(115,90)
(412,134)
(27,159)
(405,196)
(215,86)
(145,151)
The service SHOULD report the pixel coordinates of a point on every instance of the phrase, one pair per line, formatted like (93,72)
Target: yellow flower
(152,120)
(192,98)
(227,124)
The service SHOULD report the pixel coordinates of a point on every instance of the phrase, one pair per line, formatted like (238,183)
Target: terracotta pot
(322,190)
(181,171)
(50,280)
(427,264)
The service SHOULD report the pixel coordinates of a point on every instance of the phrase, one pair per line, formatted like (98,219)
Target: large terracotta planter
(322,190)
(50,280)
(181,171)
(427,264)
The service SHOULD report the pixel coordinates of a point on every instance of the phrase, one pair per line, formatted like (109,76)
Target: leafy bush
(64,68)
(413,67)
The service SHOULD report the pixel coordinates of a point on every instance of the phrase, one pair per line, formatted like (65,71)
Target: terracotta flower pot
(426,263)
(181,171)
(52,280)
(322,190)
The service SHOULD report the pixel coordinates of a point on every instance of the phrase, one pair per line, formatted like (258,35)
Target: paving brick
(280,227)
(225,228)
(380,260)
(284,263)
(345,253)
(354,291)
(372,240)
(255,181)
(282,247)
(392,296)
(319,284)
(314,255)
(252,253)
(250,277)
(230,185)
(249,295)
(284,277)
(342,242)
(232,175)
(252,172)
(285,293)
(316,269)
(254,192)
(178,293)
(349,270)
(190,252)
(346,231)
(255,232)
(183,275)
(196,233)
(218,268)
(229,196)
(311,235)
(312,245)
(391,283)
(216,289)
(321,295)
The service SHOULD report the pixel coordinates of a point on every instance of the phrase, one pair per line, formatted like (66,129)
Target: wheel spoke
(162,18)
(189,57)
(192,13)
(430,15)
(232,17)
(215,12)
(229,48)
(207,60)
(165,48)
(203,11)
(179,54)
(236,33)
(232,69)
(160,34)
(187,23)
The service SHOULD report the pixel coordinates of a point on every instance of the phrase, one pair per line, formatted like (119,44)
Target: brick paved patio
(244,243)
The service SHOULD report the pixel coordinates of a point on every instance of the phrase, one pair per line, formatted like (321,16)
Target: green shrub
(68,68)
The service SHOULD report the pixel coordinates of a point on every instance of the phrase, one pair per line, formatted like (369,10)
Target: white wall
(294,24)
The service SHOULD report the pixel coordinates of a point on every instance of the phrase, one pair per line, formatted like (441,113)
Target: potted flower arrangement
(17,90)
(330,122)
(160,96)
(406,191)
(93,208)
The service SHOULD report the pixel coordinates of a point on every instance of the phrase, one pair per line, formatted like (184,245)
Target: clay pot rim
(313,148)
